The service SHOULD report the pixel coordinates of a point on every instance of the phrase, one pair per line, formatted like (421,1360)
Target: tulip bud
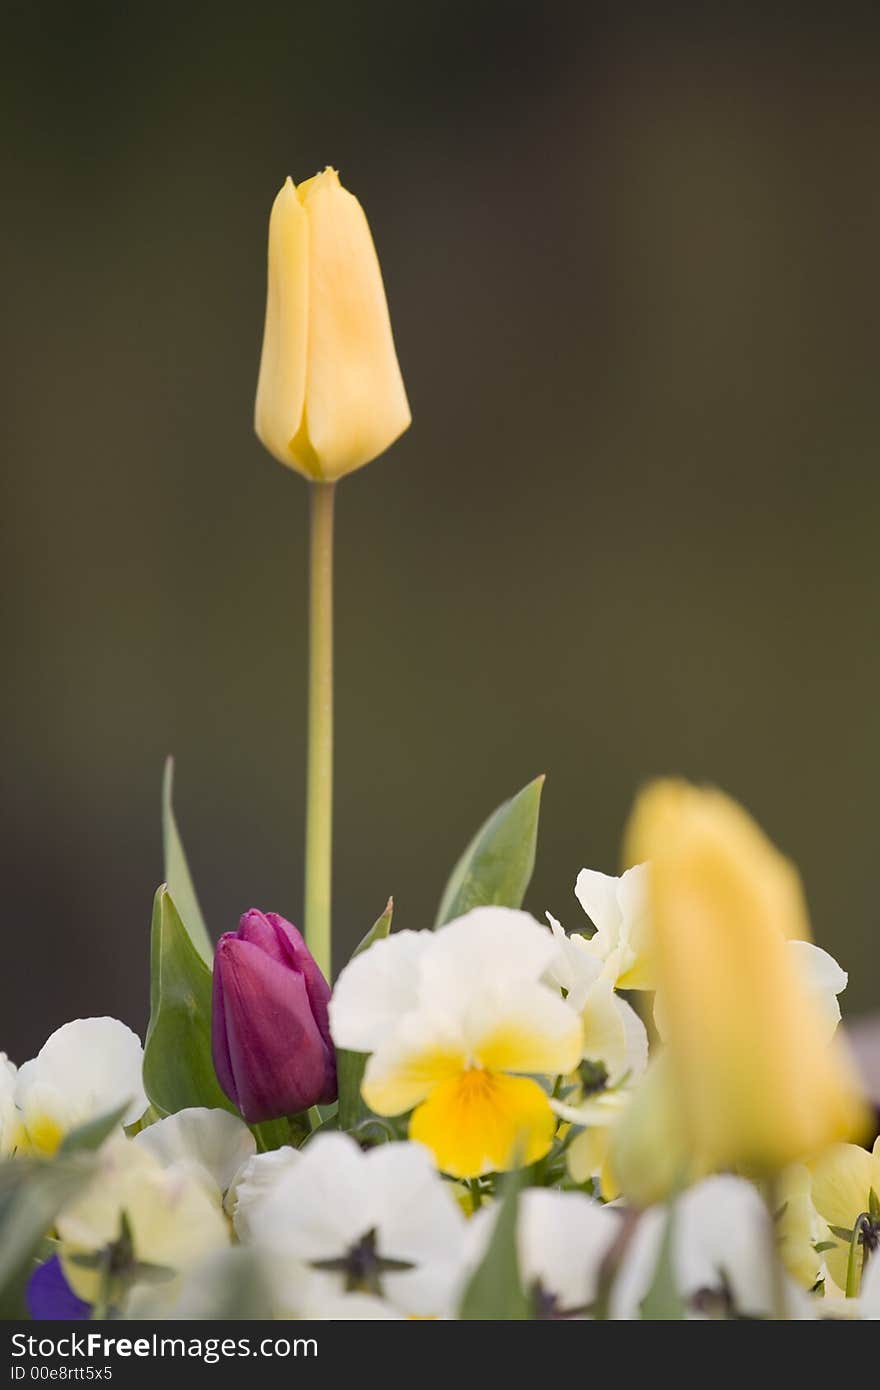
(270,1036)
(330,396)
(755,1079)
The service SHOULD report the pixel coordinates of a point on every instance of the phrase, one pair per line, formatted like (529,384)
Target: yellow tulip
(330,395)
(756,1083)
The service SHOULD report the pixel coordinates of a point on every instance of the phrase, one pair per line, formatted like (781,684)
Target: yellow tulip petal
(355,401)
(757,1084)
(482,1122)
(282,382)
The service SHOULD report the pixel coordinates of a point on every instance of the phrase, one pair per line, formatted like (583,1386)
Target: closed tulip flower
(270,1036)
(330,395)
(755,1078)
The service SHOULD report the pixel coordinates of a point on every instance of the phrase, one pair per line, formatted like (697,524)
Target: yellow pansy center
(45,1133)
(482,1121)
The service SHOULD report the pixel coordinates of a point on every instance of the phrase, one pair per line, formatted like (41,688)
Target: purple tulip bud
(270,1034)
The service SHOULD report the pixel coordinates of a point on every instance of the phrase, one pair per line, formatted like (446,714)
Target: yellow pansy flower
(458,1024)
(844,1177)
(87,1068)
(800,1229)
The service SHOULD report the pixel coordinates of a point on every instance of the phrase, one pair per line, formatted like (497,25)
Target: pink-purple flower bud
(270,1034)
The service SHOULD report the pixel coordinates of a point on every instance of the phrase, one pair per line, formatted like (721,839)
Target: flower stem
(778,1292)
(319,788)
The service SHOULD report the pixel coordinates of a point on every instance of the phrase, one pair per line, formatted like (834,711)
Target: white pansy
(719,1255)
(562,1239)
(342,1221)
(11,1129)
(253,1184)
(226,1283)
(613,1032)
(457,1023)
(85,1069)
(212,1145)
(352,1307)
(618,909)
(174,1222)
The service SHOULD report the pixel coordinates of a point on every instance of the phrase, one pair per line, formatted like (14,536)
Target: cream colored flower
(458,1024)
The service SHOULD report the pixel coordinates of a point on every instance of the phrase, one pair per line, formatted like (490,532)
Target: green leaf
(497,865)
(177,874)
(90,1136)
(178,1068)
(494,1291)
(662,1302)
(32,1193)
(350,1066)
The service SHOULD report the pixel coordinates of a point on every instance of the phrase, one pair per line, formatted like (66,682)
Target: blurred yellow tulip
(330,396)
(756,1083)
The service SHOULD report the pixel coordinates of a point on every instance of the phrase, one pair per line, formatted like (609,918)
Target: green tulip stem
(319,785)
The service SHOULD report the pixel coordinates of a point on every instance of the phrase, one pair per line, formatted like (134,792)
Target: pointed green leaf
(495,1289)
(32,1193)
(177,874)
(662,1302)
(497,865)
(178,1068)
(90,1136)
(350,1066)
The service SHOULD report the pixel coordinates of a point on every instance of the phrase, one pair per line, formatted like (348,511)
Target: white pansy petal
(419,1222)
(213,1142)
(819,969)
(376,989)
(721,1234)
(869,1299)
(424,1050)
(10,1124)
(500,945)
(526,1029)
(633,1278)
(85,1069)
(562,1239)
(824,980)
(575,967)
(605,1033)
(253,1183)
(174,1222)
(602,1109)
(227,1282)
(632,893)
(318,1209)
(597,895)
(349,1307)
(636,1041)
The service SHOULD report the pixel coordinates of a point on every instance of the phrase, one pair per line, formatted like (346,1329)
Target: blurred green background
(632,266)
